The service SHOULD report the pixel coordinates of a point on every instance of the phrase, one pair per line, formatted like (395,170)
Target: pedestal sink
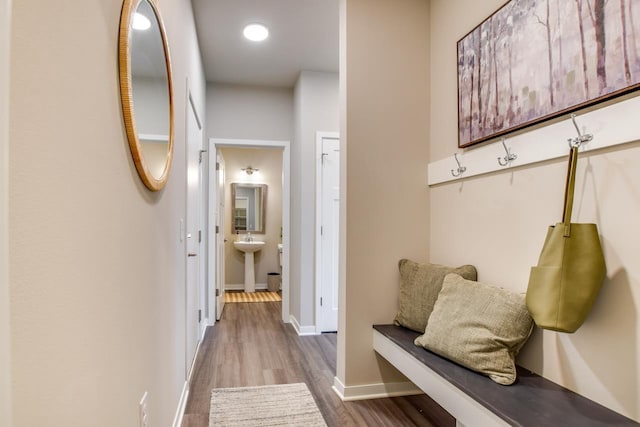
(249,248)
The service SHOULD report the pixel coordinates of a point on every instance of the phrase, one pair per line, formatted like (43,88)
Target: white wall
(5,341)
(96,264)
(498,223)
(269,161)
(249,112)
(316,109)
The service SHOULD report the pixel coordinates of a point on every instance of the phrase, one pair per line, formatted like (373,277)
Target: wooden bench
(476,401)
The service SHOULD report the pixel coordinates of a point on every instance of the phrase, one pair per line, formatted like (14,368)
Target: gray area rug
(272,405)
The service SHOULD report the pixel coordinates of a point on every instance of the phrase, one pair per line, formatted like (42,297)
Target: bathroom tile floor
(251,346)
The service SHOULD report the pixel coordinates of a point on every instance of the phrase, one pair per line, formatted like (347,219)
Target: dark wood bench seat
(475,400)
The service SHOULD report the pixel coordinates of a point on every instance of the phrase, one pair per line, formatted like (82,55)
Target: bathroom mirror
(146,91)
(248,203)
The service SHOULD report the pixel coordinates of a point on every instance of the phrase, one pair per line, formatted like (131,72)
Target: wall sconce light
(249,170)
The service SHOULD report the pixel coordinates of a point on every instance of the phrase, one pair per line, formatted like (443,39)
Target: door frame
(5,307)
(219,203)
(190,106)
(318,234)
(213,146)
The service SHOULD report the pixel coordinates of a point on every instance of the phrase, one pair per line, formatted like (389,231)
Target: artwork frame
(534,60)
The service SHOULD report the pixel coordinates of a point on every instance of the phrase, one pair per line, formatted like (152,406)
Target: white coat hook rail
(581,138)
(461,169)
(504,161)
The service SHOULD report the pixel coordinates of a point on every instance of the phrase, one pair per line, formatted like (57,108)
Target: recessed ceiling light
(256,32)
(140,22)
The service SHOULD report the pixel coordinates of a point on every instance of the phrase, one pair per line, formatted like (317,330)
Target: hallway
(250,346)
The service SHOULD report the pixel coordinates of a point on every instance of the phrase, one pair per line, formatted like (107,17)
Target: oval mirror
(146,91)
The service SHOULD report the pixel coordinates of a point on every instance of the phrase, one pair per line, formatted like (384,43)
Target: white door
(193,281)
(220,240)
(203,276)
(329,199)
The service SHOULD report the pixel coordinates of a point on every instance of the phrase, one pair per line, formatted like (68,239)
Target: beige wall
(5,340)
(269,161)
(385,133)
(96,263)
(498,222)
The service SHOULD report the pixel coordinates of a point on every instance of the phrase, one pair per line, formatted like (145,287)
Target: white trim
(210,226)
(207,323)
(318,235)
(374,391)
(195,357)
(451,398)
(240,286)
(154,138)
(302,330)
(5,307)
(177,421)
(182,405)
(195,110)
(191,107)
(612,125)
(214,144)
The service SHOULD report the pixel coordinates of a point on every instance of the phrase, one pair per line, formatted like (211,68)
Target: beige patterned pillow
(478,326)
(419,288)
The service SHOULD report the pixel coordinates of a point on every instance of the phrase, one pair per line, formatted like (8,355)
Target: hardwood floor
(251,346)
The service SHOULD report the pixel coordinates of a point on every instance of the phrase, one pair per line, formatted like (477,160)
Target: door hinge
(217,292)
(217,229)
(320,300)
(217,166)
(199,316)
(321,231)
(200,155)
(199,236)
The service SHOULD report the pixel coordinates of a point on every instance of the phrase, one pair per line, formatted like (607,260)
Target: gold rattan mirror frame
(154,176)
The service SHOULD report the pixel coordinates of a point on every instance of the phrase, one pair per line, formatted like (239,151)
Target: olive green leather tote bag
(565,283)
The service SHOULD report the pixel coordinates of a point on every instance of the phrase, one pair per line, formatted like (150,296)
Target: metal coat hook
(461,169)
(504,161)
(580,139)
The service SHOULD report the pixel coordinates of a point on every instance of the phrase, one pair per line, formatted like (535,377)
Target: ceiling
(303,36)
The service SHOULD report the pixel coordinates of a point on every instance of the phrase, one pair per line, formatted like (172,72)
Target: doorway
(214,148)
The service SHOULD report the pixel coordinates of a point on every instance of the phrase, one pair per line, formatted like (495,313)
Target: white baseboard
(302,330)
(374,391)
(240,286)
(177,421)
(182,404)
(193,362)
(203,330)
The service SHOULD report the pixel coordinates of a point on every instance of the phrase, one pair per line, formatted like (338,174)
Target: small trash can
(273,282)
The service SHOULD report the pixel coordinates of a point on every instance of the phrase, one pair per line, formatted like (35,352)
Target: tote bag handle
(568,191)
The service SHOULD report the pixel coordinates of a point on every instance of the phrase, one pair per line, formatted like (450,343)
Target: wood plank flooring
(251,346)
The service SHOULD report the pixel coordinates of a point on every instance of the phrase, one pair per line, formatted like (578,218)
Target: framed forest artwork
(533,60)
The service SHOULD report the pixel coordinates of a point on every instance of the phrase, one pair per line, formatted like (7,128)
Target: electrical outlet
(144,414)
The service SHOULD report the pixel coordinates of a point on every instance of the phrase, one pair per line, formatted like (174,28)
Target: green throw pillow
(478,326)
(419,288)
